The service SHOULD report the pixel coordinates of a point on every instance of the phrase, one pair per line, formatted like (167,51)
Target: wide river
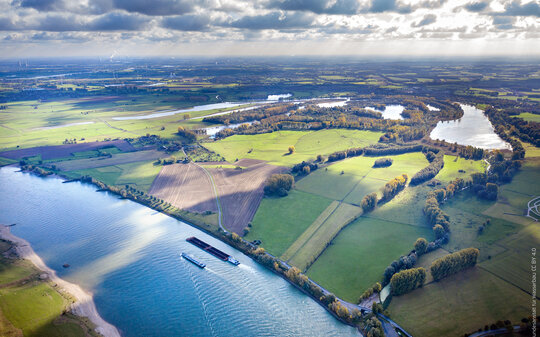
(127,255)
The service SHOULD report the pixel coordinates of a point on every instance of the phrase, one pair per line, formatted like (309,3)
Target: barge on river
(192,260)
(212,250)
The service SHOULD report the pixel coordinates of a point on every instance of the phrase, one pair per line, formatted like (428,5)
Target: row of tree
(453,263)
(429,171)
(407,280)
(394,186)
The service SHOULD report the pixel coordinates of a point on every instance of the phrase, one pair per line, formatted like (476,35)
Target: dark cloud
(426,20)
(156,7)
(379,6)
(6,23)
(187,22)
(515,8)
(118,21)
(343,7)
(274,20)
(40,5)
(476,6)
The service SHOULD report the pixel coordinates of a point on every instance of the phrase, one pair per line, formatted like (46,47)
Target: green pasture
(273,147)
(279,221)
(139,175)
(459,304)
(529,117)
(357,257)
(315,241)
(453,164)
(351,179)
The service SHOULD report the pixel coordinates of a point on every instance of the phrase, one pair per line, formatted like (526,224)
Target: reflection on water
(129,257)
(174,112)
(390,111)
(474,128)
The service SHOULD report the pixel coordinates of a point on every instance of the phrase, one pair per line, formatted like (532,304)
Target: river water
(474,128)
(127,255)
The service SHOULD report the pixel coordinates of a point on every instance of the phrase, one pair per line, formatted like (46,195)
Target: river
(474,128)
(127,255)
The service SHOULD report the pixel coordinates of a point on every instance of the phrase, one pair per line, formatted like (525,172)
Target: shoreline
(84,305)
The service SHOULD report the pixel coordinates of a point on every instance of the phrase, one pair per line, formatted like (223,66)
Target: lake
(474,128)
(392,111)
(204,107)
(128,256)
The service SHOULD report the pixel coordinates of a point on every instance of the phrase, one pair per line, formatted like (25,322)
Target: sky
(395,28)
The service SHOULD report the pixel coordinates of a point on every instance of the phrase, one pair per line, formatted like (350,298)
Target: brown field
(185,186)
(62,151)
(116,159)
(241,191)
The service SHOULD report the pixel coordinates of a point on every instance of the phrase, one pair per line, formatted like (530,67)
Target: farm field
(529,117)
(280,221)
(116,159)
(359,178)
(357,257)
(34,123)
(33,307)
(241,191)
(273,147)
(185,186)
(139,175)
(481,298)
(311,246)
(498,288)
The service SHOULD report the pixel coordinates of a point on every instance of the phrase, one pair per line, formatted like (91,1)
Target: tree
(407,280)
(306,170)
(420,246)
(439,231)
(369,202)
(453,263)
(291,149)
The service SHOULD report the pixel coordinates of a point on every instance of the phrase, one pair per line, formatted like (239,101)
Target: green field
(357,257)
(34,123)
(529,117)
(139,175)
(459,304)
(320,234)
(359,178)
(499,287)
(273,147)
(31,306)
(279,221)
(453,164)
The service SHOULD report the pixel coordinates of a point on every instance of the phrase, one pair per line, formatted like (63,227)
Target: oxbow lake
(128,256)
(474,128)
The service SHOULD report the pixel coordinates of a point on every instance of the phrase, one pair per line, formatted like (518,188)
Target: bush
(383,162)
(369,202)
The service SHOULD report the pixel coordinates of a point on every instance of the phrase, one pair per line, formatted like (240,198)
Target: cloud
(503,22)
(115,21)
(187,22)
(426,20)
(56,22)
(515,8)
(40,5)
(344,7)
(476,6)
(379,6)
(155,7)
(274,20)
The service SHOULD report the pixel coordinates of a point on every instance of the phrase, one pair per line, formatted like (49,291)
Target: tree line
(394,186)
(430,171)
(453,263)
(407,280)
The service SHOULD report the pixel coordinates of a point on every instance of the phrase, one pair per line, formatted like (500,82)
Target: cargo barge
(212,250)
(192,260)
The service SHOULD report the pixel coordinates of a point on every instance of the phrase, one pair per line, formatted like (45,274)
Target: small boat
(192,260)
(233,261)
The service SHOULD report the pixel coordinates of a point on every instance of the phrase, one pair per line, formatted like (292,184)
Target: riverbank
(84,305)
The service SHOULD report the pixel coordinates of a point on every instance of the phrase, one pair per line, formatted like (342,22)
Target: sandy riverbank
(84,303)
